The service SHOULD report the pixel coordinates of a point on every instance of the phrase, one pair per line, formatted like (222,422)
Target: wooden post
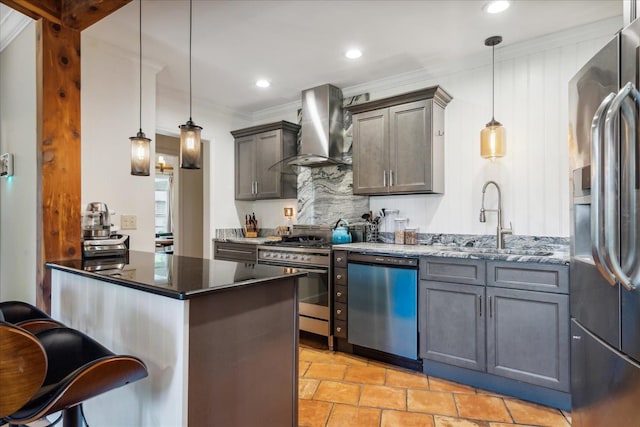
(58,80)
(58,97)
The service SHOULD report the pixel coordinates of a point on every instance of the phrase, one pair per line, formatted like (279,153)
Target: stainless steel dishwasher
(383,305)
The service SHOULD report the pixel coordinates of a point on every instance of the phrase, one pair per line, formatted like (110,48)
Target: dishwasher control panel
(383,260)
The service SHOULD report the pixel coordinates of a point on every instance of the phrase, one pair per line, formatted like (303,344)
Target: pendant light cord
(140,64)
(493,82)
(190,31)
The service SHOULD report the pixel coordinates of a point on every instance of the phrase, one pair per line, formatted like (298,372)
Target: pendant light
(140,144)
(493,137)
(190,132)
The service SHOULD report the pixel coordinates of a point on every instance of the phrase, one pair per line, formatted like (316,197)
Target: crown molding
(603,28)
(167,92)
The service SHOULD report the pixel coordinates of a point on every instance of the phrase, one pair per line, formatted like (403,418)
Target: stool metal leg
(72,417)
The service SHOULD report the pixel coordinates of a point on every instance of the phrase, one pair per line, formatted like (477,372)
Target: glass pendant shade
(190,145)
(140,149)
(493,140)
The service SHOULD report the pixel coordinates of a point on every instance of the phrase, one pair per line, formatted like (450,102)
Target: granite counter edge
(179,295)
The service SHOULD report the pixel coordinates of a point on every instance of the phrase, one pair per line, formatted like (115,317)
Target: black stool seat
(78,368)
(26,316)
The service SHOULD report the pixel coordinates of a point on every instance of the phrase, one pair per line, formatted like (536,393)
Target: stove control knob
(294,256)
(267,254)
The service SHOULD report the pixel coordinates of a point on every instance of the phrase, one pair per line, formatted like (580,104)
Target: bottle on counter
(400,224)
(411,236)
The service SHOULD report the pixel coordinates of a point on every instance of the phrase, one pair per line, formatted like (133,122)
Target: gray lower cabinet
(340,297)
(528,336)
(452,325)
(256,150)
(398,143)
(520,334)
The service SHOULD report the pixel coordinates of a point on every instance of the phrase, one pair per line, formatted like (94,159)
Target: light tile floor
(342,390)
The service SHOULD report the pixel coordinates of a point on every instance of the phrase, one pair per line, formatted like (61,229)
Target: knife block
(251,230)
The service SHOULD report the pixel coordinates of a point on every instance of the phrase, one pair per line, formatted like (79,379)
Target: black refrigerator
(604,103)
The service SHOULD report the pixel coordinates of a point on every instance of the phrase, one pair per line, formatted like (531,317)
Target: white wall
(218,154)
(531,102)
(110,115)
(18,194)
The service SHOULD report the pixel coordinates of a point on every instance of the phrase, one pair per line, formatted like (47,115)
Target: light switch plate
(6,165)
(128,222)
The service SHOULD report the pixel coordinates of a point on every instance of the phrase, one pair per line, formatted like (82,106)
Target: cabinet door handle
(384,178)
(490,307)
(390,178)
(339,329)
(338,294)
(480,304)
(339,259)
(256,187)
(339,311)
(339,276)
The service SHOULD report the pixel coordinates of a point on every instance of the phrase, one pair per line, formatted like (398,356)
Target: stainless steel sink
(491,251)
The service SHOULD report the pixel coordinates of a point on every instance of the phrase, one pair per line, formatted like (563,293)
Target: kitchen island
(219,338)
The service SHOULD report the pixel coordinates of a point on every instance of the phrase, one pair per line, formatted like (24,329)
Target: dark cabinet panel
(528,336)
(529,276)
(452,325)
(371,153)
(257,149)
(471,272)
(520,334)
(398,143)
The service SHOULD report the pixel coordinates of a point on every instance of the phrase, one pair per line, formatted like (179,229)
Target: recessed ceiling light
(263,83)
(353,53)
(496,6)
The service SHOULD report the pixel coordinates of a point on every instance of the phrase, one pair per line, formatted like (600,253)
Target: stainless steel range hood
(321,140)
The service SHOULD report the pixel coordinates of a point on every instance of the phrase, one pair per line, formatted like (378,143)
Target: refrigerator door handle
(612,237)
(597,191)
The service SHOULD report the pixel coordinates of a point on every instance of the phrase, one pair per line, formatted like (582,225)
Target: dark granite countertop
(174,276)
(548,255)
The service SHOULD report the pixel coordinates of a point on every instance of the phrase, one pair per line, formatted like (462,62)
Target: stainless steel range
(307,249)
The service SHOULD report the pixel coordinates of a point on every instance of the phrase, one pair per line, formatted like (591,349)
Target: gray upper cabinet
(398,143)
(256,150)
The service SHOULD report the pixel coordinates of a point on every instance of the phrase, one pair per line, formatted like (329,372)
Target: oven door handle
(309,270)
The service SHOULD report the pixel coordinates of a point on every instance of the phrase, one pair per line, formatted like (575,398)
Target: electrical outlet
(128,222)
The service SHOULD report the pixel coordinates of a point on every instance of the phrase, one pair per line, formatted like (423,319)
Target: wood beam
(58,83)
(75,14)
(80,14)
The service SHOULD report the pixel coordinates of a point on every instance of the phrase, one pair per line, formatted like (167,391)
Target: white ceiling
(301,44)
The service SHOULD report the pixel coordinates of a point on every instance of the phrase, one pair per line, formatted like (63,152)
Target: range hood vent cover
(322,132)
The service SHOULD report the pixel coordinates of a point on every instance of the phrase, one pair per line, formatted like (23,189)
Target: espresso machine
(97,239)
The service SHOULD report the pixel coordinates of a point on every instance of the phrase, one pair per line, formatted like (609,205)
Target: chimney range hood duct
(322,131)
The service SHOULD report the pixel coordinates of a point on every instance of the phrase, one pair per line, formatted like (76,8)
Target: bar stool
(27,316)
(79,368)
(23,366)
